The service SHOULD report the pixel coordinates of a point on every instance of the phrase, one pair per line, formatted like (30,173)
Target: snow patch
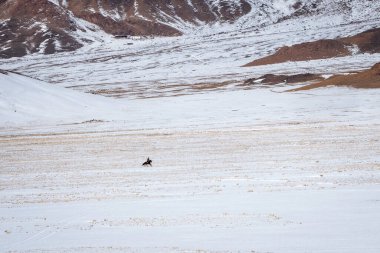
(354,49)
(56,2)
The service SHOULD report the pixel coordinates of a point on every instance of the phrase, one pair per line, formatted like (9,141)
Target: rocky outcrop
(366,42)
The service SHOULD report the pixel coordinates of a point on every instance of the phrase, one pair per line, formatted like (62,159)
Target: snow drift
(23,99)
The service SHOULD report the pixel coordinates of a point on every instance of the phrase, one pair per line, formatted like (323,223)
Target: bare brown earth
(271,79)
(366,79)
(367,42)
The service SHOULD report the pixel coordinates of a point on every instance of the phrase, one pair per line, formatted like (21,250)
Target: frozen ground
(263,189)
(234,171)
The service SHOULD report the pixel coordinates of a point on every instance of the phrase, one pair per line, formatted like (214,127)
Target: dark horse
(148,162)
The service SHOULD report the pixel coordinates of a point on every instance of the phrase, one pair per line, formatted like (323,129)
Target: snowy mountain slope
(39,26)
(192,62)
(54,26)
(23,99)
(208,56)
(49,26)
(156,17)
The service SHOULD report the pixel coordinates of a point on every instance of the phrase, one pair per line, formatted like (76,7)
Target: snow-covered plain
(234,170)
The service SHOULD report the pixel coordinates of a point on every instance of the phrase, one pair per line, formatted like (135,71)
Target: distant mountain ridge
(50,26)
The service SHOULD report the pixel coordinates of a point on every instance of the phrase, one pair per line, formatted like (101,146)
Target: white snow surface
(233,171)
(24,100)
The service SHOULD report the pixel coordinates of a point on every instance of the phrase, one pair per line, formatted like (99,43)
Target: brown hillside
(367,42)
(145,17)
(30,26)
(320,49)
(20,35)
(366,79)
